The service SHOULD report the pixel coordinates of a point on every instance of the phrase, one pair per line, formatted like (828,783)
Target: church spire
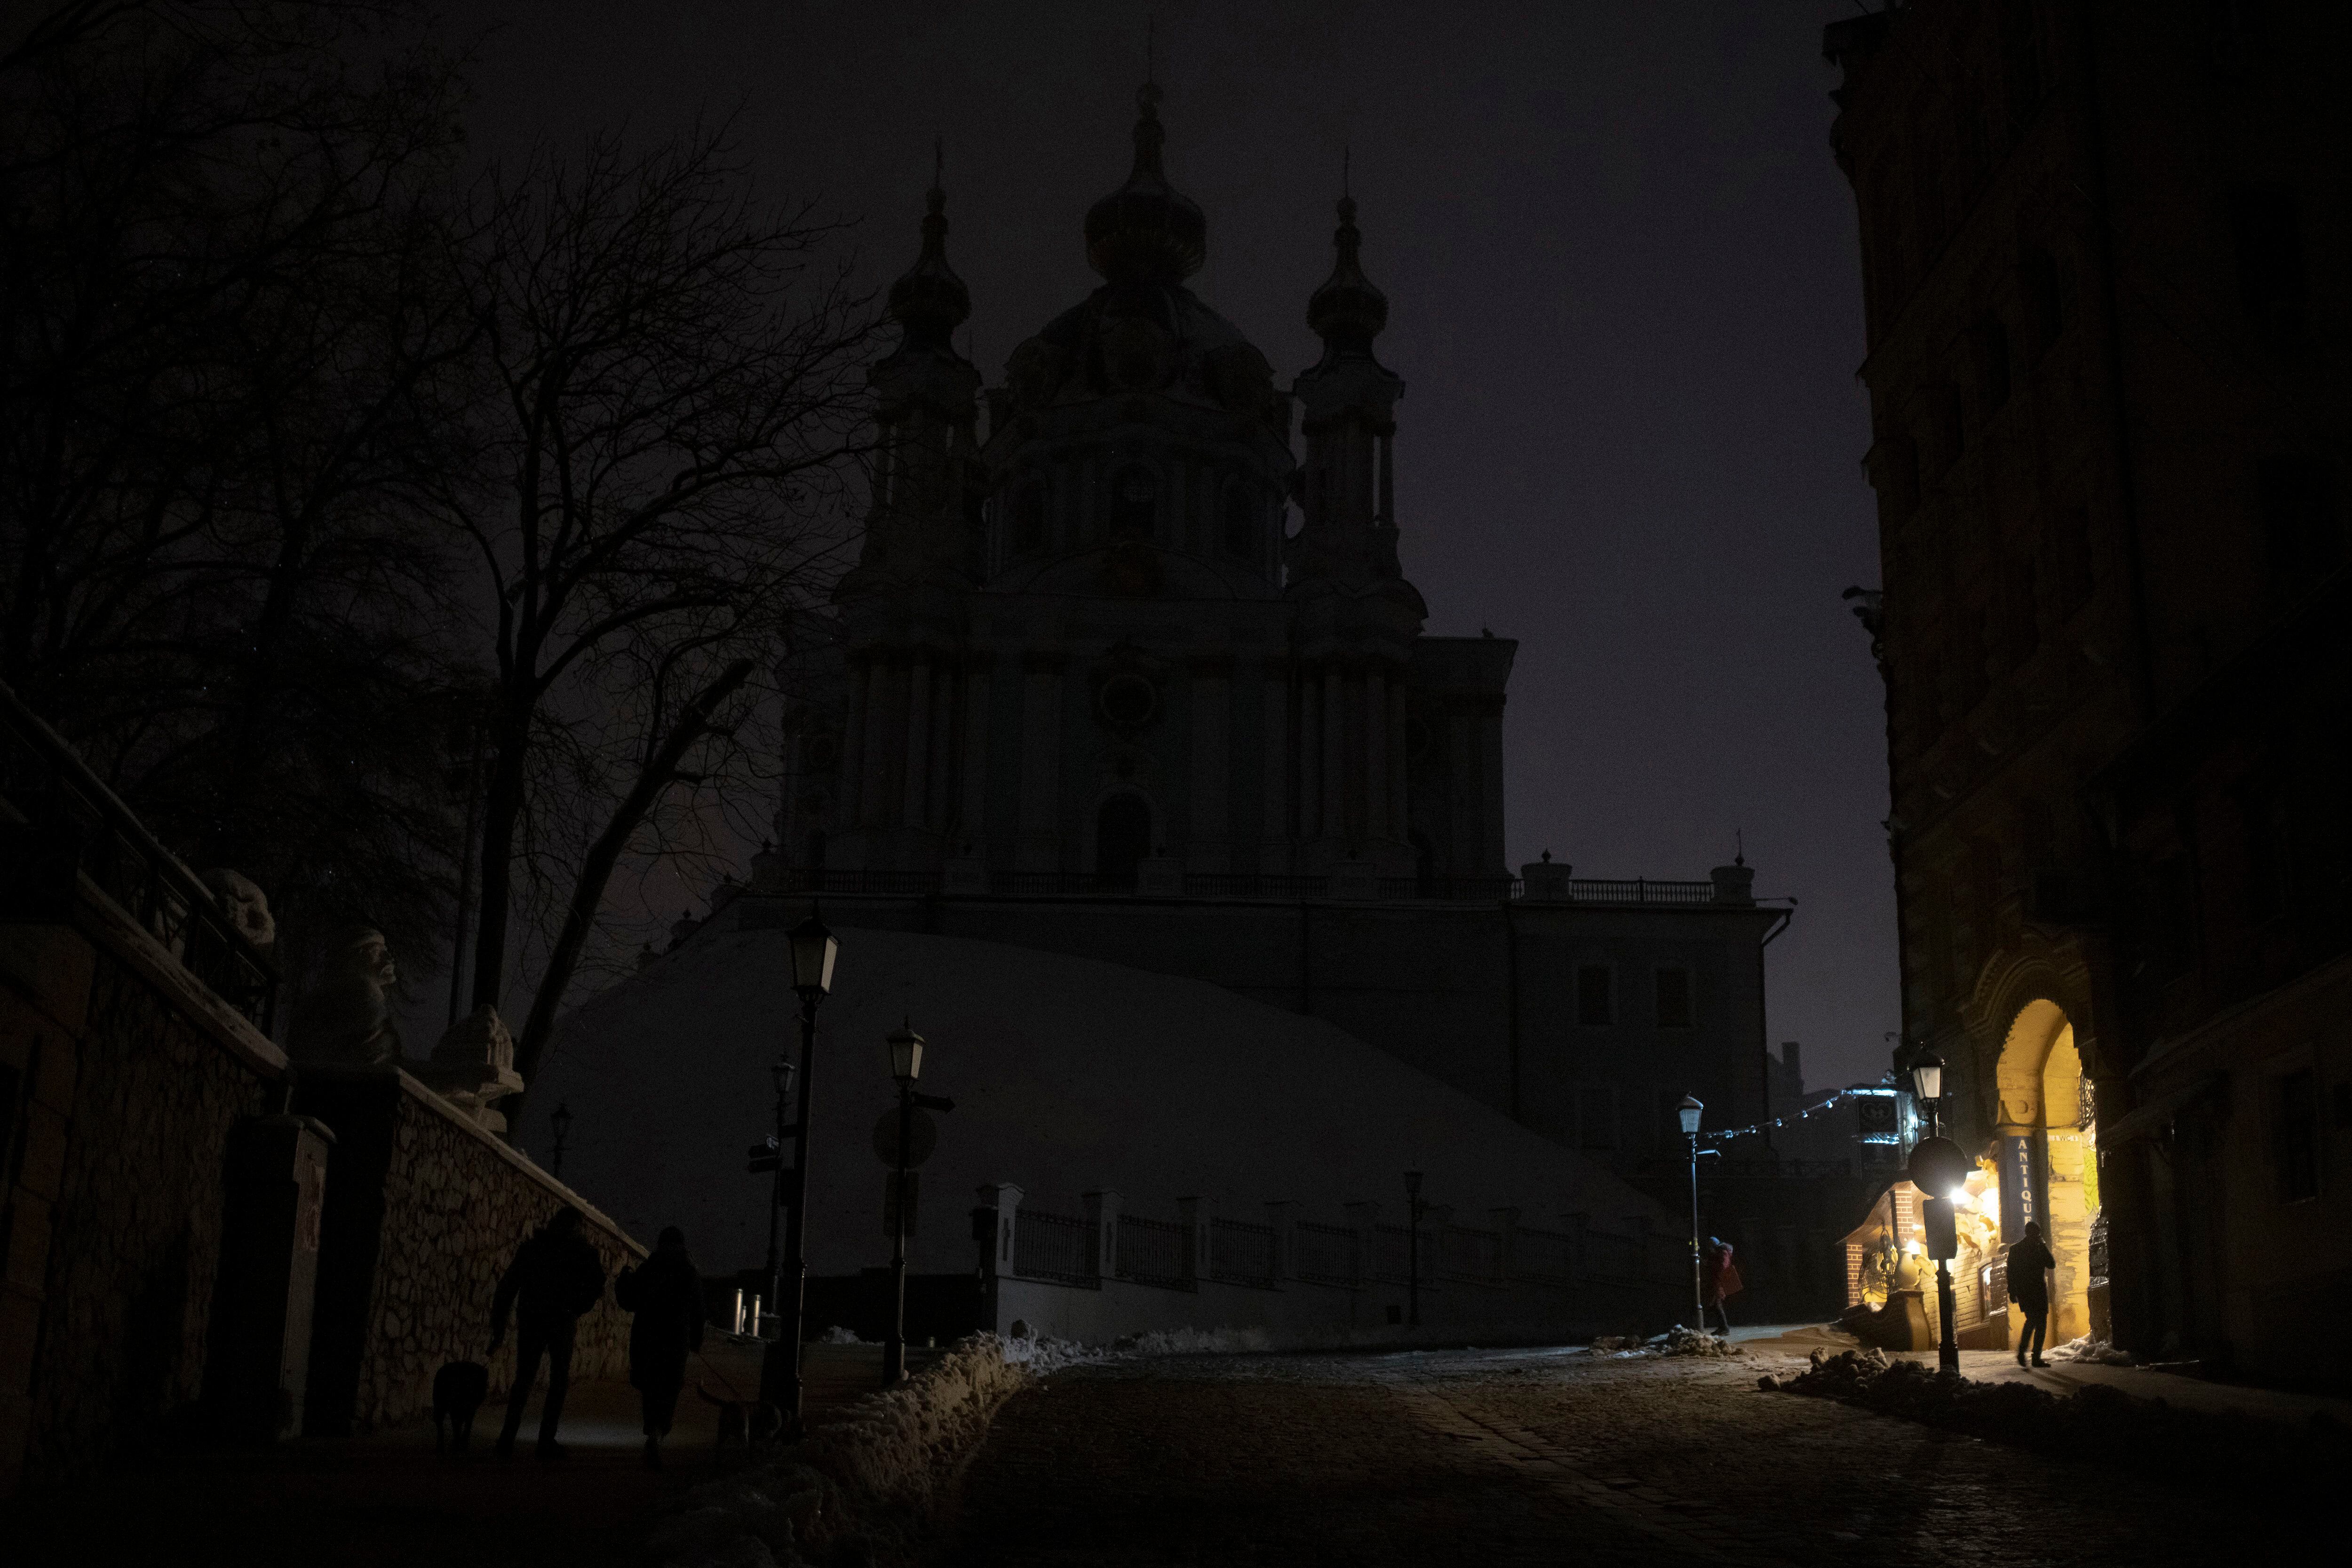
(930,301)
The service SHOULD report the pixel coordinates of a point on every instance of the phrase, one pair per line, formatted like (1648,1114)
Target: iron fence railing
(1241,1252)
(1242,885)
(1467,1253)
(1327,1254)
(1545,1255)
(1155,1252)
(76,823)
(1054,1247)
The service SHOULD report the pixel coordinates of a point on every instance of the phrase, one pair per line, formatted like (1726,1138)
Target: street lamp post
(813,951)
(906,1065)
(562,1122)
(1687,1112)
(1928,1078)
(1413,1249)
(781,1071)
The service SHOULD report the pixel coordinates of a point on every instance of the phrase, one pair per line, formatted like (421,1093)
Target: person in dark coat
(555,1277)
(1721,1281)
(2029,1262)
(665,1294)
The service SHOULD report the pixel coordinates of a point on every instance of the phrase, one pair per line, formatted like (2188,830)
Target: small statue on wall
(347,1020)
(244,904)
(473,1068)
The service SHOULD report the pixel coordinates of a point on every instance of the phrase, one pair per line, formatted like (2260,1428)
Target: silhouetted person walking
(555,1277)
(2029,1291)
(665,1294)
(1721,1283)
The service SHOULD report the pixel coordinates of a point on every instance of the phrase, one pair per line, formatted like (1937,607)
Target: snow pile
(866,1485)
(1617,1344)
(2099,1350)
(1195,1341)
(2098,1422)
(1680,1341)
(839,1336)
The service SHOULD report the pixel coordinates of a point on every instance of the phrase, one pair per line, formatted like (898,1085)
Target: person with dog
(665,1295)
(555,1277)
(2029,1263)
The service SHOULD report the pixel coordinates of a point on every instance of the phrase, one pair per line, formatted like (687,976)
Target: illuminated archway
(2046,1149)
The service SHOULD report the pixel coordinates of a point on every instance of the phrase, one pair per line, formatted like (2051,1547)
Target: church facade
(1079,650)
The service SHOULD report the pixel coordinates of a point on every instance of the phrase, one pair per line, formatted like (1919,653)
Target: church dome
(1146,231)
(930,301)
(1348,313)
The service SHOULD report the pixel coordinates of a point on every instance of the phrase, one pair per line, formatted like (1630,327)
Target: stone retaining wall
(425,1210)
(112,1222)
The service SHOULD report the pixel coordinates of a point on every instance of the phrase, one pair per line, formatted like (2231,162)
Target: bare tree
(673,368)
(229,346)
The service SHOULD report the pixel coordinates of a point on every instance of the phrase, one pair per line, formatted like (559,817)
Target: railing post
(1102,1215)
(1364,1219)
(1003,1202)
(1192,1213)
(1282,1219)
(1506,1244)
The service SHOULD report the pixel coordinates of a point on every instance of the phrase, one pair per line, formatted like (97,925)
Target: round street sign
(886,1138)
(1937,1166)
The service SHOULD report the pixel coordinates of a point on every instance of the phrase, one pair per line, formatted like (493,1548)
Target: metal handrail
(43,778)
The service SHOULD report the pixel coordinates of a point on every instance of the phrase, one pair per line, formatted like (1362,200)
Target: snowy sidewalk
(2066,1377)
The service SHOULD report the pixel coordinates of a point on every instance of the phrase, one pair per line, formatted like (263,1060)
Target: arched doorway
(2046,1148)
(1122,839)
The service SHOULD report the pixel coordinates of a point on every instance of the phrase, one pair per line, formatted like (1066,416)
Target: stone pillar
(1506,1240)
(1491,848)
(852,762)
(1273,783)
(1399,813)
(1364,1219)
(1462,809)
(1102,1213)
(1192,1213)
(1001,1202)
(1041,762)
(1377,826)
(883,736)
(1335,752)
(1282,1219)
(1212,770)
(1310,754)
(916,809)
(972,817)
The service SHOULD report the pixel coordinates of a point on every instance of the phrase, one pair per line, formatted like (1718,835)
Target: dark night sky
(1624,296)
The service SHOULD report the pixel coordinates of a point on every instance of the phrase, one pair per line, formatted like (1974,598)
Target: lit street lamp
(1938,1168)
(1687,1112)
(906,1065)
(813,950)
(1413,1249)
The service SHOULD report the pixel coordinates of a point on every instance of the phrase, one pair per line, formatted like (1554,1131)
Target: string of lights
(1754,1128)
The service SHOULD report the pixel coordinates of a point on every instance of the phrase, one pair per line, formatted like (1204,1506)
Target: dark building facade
(2108,419)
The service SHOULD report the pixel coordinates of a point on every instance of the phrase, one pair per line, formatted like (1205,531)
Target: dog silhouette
(459,1390)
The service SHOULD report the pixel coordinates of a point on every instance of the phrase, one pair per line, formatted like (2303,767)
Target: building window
(2297,496)
(1240,523)
(1134,503)
(1674,998)
(1029,519)
(2296,1129)
(2268,227)
(1594,1003)
(1598,1123)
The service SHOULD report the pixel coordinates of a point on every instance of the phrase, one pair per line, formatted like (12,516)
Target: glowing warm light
(1914,1248)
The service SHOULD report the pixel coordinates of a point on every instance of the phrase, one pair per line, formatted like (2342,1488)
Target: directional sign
(765,1157)
(918,1149)
(1938,1166)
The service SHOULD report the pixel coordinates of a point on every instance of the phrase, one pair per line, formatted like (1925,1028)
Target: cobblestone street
(1544,1456)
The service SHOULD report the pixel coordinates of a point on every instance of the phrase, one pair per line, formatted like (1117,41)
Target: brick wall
(424,1212)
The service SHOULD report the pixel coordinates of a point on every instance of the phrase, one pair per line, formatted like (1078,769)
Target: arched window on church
(1134,503)
(1028,529)
(1240,523)
(1122,839)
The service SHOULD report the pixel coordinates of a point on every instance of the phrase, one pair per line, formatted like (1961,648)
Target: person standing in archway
(2029,1262)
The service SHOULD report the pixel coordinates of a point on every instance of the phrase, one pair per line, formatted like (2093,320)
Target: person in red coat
(1718,1284)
